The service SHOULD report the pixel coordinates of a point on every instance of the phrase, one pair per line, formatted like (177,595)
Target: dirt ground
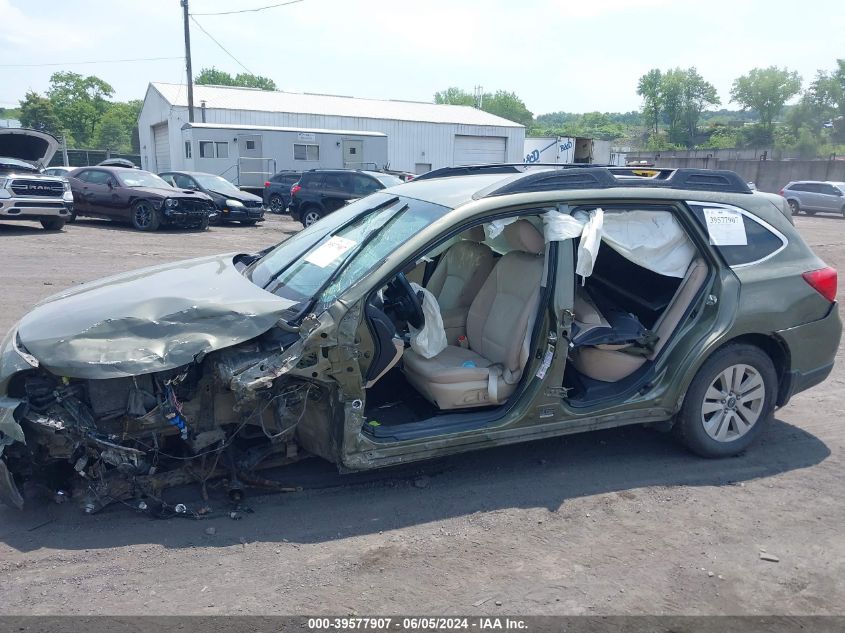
(615,522)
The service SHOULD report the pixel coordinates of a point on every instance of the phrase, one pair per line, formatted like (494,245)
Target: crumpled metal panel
(148,320)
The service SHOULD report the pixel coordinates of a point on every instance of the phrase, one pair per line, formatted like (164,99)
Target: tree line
(81,110)
(678,111)
(814,126)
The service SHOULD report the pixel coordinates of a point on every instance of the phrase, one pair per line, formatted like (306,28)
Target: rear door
(831,198)
(335,190)
(814,197)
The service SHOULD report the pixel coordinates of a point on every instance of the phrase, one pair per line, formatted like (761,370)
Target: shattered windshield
(330,259)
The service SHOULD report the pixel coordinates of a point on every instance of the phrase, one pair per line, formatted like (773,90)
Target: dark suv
(277,190)
(321,191)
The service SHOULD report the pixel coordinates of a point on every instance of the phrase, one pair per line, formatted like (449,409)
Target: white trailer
(248,155)
(567,150)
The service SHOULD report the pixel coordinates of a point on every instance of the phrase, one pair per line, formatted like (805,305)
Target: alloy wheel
(310,217)
(143,215)
(276,205)
(733,403)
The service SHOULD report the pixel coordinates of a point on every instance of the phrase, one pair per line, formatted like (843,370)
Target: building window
(212,149)
(302,151)
(187,149)
(250,144)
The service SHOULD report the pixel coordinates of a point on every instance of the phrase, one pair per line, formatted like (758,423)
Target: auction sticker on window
(329,251)
(725,227)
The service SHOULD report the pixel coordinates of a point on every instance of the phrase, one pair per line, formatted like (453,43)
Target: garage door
(162,147)
(476,150)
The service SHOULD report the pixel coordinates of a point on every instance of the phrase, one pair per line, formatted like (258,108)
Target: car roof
(456,186)
(188,173)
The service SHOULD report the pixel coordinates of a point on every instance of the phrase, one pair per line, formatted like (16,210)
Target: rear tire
(794,207)
(729,402)
(310,215)
(53,224)
(144,216)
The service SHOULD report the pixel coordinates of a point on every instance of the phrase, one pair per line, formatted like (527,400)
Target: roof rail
(495,168)
(556,176)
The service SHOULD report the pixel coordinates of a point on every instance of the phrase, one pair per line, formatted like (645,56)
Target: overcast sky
(567,55)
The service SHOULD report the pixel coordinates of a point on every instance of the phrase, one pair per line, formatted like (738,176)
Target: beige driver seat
(498,327)
(458,278)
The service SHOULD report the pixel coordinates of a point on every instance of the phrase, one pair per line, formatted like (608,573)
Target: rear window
(761,240)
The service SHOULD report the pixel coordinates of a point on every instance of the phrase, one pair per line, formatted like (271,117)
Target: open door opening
(490,285)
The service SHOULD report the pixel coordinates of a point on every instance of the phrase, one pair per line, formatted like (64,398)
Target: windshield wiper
(347,259)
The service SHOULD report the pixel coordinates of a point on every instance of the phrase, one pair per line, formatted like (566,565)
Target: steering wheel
(405,301)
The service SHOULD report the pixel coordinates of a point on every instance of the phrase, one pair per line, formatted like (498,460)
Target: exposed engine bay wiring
(125,440)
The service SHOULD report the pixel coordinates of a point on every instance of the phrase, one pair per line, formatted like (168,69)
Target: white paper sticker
(329,251)
(725,227)
(547,362)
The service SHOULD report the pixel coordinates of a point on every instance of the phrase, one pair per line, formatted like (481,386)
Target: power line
(255,10)
(220,45)
(99,61)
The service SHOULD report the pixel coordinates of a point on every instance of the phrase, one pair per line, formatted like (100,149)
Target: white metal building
(420,136)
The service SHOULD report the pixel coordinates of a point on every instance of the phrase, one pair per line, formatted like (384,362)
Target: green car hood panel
(148,320)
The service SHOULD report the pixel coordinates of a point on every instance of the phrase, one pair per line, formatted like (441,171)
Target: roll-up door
(161,140)
(477,150)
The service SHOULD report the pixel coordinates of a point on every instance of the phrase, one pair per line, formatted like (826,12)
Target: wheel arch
(775,348)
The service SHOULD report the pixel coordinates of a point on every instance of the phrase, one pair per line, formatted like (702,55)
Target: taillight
(295,190)
(823,281)
(780,193)
(266,184)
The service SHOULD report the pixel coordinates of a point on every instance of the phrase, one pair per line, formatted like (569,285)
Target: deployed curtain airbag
(651,239)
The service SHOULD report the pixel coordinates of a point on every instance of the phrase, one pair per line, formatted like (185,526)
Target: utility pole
(188,61)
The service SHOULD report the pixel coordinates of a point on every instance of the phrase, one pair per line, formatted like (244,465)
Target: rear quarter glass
(762,241)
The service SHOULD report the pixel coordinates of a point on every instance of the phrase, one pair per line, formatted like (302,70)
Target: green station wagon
(472,307)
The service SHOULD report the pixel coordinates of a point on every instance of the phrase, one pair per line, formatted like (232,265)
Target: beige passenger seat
(498,327)
(606,362)
(458,278)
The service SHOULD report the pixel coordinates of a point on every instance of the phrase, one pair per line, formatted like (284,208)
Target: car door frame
(535,402)
(540,410)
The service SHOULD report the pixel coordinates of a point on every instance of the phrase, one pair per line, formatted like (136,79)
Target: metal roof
(253,99)
(273,128)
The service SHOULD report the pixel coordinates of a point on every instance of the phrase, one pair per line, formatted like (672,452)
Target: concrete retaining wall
(768,175)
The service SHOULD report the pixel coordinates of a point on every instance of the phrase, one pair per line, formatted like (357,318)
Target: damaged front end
(225,415)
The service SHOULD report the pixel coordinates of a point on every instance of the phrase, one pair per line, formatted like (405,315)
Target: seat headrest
(474,234)
(522,236)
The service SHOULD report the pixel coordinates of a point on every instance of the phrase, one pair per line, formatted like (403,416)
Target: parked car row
(310,195)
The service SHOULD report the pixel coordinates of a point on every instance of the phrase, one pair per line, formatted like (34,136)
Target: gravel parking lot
(622,521)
